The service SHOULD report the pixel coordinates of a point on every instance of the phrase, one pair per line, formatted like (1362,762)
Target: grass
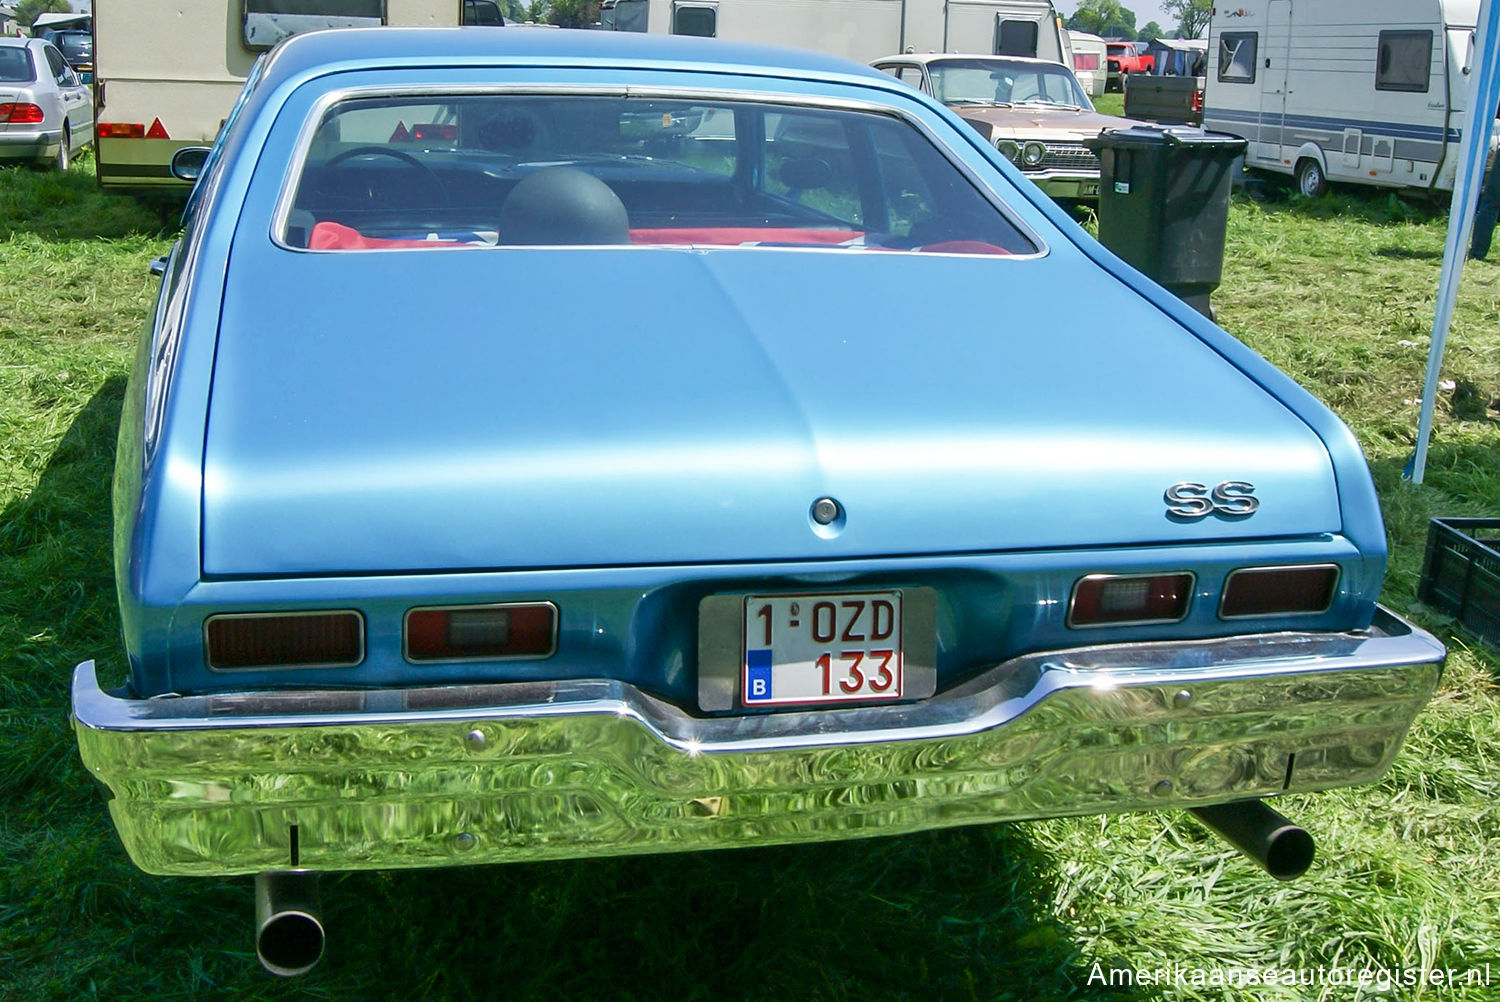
(1338,292)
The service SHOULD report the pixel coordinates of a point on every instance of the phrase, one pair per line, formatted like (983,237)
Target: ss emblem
(1232,499)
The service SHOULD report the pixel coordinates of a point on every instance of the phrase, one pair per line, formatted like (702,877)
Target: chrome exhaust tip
(288,926)
(1282,849)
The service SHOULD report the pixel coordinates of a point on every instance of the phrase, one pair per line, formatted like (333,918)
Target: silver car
(46,112)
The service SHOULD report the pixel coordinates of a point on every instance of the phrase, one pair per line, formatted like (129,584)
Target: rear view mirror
(187,163)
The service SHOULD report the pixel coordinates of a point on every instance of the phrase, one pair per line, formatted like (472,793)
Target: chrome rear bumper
(332,780)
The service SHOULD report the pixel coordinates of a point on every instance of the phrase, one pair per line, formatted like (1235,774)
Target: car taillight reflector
(285,640)
(1114,600)
(1279,591)
(121,130)
(20,113)
(1197,101)
(481,632)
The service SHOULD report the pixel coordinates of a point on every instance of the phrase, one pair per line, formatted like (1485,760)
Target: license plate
(822,648)
(1090,191)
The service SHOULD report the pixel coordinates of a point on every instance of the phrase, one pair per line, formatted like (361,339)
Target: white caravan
(1090,61)
(1360,91)
(166,73)
(862,30)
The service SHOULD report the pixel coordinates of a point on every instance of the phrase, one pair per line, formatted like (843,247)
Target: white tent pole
(1483,97)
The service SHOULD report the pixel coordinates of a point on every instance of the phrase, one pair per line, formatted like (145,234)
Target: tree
(1192,15)
(27,11)
(1151,32)
(573,13)
(1103,17)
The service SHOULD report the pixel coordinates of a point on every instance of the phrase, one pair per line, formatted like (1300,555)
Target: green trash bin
(1164,203)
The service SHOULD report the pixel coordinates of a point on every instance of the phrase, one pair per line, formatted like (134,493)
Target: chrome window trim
(1073,597)
(726,96)
(1333,593)
(406,620)
(359,618)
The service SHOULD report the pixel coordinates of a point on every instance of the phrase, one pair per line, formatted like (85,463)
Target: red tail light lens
(431,131)
(121,130)
(481,632)
(285,640)
(1279,591)
(1198,101)
(21,114)
(1116,600)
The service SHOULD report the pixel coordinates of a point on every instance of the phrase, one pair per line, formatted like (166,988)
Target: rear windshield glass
(15,65)
(75,45)
(485,170)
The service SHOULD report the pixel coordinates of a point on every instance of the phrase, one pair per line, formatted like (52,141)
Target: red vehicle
(1124,59)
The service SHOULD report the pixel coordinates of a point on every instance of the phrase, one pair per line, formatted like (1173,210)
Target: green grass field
(1339,293)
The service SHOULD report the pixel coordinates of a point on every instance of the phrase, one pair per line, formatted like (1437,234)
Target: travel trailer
(1360,91)
(862,30)
(166,73)
(1090,61)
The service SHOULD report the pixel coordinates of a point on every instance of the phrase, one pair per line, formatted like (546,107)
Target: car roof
(937,57)
(355,48)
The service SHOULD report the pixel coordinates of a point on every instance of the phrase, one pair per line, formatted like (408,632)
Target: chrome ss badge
(1231,499)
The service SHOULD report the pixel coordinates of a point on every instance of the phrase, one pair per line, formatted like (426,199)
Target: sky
(1146,11)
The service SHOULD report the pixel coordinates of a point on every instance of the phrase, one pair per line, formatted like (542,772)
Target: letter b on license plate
(822,648)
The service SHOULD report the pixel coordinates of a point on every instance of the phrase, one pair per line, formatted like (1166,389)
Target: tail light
(481,632)
(284,640)
(1279,591)
(1117,600)
(431,131)
(1197,101)
(121,130)
(21,114)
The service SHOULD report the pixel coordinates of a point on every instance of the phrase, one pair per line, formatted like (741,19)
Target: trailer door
(1273,92)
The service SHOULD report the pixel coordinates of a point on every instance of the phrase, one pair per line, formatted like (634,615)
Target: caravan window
(1405,61)
(1237,56)
(267,22)
(1015,38)
(701,21)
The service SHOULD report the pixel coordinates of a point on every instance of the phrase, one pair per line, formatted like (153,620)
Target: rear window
(492,170)
(76,46)
(15,65)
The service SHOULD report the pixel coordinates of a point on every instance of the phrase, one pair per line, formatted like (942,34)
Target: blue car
(559,443)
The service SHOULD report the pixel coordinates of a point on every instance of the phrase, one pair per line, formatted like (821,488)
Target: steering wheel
(406,158)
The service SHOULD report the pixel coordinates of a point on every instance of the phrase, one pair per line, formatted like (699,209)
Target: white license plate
(821,648)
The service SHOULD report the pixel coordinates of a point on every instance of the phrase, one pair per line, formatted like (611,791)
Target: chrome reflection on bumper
(331,780)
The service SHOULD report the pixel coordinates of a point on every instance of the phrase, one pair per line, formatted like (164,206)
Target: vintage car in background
(1123,59)
(516,469)
(1033,111)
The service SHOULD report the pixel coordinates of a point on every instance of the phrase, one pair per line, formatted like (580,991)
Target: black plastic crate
(1461,573)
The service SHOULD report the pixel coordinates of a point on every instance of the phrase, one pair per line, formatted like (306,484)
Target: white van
(166,73)
(1360,91)
(862,30)
(1090,61)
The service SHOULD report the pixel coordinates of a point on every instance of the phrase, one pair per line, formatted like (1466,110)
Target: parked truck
(859,29)
(166,73)
(1359,91)
(1122,59)
(1172,92)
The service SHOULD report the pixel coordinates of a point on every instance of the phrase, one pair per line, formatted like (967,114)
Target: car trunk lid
(433,410)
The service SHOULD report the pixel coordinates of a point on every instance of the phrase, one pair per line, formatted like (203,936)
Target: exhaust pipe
(288,927)
(1281,848)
